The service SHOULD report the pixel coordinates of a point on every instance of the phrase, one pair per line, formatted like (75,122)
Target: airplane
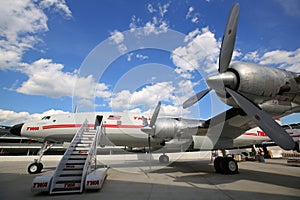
(133,130)
(261,92)
(251,89)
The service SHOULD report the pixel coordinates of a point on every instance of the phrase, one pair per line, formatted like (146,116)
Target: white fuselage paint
(122,129)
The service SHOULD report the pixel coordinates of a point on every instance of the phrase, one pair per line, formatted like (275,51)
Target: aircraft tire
(164,159)
(229,166)
(35,168)
(218,164)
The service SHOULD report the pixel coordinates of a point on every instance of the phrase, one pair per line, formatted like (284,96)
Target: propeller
(226,82)
(192,100)
(226,51)
(149,129)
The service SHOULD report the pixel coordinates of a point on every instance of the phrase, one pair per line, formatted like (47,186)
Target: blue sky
(127,55)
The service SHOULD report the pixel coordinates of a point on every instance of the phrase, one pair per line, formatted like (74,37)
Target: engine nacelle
(170,128)
(261,85)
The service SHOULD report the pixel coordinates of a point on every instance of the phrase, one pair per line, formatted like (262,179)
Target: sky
(126,56)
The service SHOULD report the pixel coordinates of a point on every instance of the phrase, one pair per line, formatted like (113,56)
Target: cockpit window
(46,118)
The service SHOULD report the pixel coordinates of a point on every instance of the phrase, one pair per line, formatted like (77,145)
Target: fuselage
(124,129)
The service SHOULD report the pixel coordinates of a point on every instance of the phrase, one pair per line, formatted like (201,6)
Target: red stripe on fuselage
(90,125)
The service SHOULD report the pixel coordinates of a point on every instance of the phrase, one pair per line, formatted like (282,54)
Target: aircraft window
(46,118)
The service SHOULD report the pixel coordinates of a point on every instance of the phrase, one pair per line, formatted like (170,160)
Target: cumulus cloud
(47,78)
(58,6)
(156,25)
(147,96)
(8,117)
(21,23)
(289,60)
(144,100)
(118,38)
(201,51)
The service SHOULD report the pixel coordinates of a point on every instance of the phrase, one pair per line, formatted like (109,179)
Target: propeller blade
(229,38)
(155,115)
(149,146)
(192,100)
(145,122)
(264,121)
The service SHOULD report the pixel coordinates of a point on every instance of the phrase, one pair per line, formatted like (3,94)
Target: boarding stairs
(79,160)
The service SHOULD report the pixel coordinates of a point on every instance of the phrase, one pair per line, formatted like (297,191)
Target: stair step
(80,152)
(75,162)
(83,145)
(69,178)
(67,186)
(82,149)
(65,190)
(73,167)
(71,172)
(77,157)
(73,181)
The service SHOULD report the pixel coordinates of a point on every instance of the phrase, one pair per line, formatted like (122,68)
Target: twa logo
(140,118)
(32,128)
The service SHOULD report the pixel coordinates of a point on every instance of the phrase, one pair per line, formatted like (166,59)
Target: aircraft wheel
(35,168)
(164,159)
(218,164)
(229,166)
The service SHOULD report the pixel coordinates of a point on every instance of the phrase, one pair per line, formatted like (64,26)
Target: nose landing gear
(36,167)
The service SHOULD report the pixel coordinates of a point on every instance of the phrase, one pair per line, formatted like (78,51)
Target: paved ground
(183,179)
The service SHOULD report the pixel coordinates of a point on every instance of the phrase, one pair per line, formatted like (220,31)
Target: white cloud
(155,26)
(21,23)
(189,13)
(58,6)
(8,117)
(252,56)
(163,9)
(47,78)
(194,17)
(151,9)
(201,51)
(141,57)
(118,38)
(147,97)
(289,60)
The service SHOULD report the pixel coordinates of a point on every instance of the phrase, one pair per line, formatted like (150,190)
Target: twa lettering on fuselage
(140,118)
(32,128)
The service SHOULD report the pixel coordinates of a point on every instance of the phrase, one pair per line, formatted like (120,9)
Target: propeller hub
(219,81)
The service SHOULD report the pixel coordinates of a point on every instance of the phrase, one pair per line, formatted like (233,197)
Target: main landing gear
(163,159)
(226,165)
(36,167)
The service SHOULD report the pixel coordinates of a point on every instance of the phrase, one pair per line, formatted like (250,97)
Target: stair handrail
(92,153)
(68,152)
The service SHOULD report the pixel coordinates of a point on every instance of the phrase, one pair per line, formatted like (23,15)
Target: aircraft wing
(222,130)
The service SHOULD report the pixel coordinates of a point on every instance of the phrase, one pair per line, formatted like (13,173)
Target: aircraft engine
(258,83)
(176,128)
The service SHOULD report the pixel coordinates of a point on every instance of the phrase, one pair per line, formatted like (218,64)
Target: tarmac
(188,176)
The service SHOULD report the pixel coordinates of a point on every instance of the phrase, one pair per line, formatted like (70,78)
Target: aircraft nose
(16,129)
